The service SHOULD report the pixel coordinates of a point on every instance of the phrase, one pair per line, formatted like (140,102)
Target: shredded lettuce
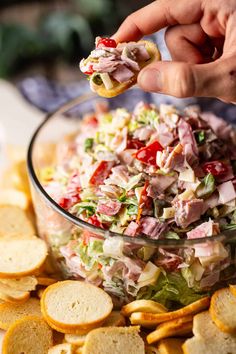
(206,187)
(171,290)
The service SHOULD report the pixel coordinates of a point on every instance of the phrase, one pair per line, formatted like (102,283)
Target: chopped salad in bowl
(141,202)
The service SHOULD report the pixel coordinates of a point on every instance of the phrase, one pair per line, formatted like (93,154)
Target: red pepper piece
(106,42)
(216,168)
(94,221)
(134,144)
(102,172)
(147,154)
(144,202)
(90,70)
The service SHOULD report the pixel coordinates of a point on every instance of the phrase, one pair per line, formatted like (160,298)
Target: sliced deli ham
(109,207)
(187,140)
(122,74)
(159,184)
(226,192)
(188,211)
(152,227)
(208,228)
(132,229)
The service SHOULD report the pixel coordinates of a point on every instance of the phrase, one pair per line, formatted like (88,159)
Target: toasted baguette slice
(21,257)
(143,306)
(197,345)
(233,289)
(115,340)
(70,330)
(29,335)
(151,320)
(64,348)
(9,313)
(150,349)
(115,319)
(208,338)
(171,346)
(76,339)
(21,284)
(223,310)
(119,88)
(45,281)
(12,196)
(40,293)
(75,305)
(176,327)
(9,294)
(14,223)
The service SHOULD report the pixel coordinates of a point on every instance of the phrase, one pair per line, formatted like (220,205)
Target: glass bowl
(172,284)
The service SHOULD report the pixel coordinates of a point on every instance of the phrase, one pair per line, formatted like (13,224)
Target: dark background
(49,37)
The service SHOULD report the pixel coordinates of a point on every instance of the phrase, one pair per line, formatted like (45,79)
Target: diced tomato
(94,221)
(102,172)
(65,203)
(106,42)
(99,266)
(134,144)
(144,202)
(147,154)
(92,121)
(216,168)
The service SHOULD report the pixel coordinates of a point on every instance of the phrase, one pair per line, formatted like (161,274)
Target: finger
(157,15)
(189,43)
(230,36)
(186,80)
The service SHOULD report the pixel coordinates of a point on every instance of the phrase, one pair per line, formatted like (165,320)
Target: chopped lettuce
(132,209)
(88,207)
(88,144)
(171,235)
(148,116)
(206,187)
(200,137)
(171,290)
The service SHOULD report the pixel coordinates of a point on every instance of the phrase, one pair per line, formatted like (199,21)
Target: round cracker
(9,313)
(29,335)
(21,257)
(72,305)
(223,309)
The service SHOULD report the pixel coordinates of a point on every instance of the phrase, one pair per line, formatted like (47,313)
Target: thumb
(184,79)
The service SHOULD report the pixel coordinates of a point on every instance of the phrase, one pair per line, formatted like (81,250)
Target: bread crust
(122,87)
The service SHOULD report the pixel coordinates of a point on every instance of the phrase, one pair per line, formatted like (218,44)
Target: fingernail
(150,80)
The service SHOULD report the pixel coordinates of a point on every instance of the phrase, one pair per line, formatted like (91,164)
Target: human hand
(201,38)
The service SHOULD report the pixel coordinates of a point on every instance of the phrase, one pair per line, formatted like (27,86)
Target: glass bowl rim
(141,240)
